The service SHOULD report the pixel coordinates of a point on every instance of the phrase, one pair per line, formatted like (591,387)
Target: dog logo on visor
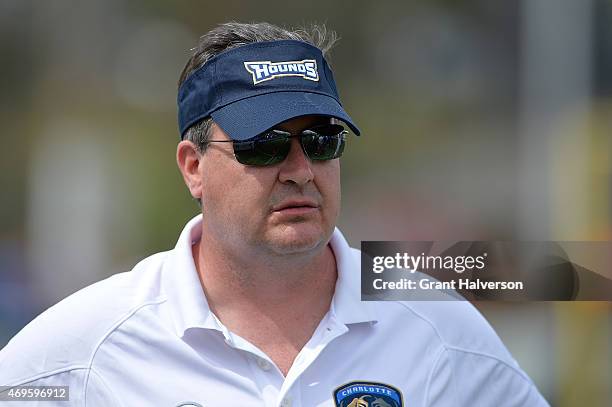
(367,394)
(266,70)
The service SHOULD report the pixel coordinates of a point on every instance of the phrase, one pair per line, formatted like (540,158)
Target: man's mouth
(296,207)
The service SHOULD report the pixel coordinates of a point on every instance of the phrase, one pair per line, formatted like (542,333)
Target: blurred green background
(481,120)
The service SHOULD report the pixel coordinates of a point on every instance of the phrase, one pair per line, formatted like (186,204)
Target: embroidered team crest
(367,394)
(266,70)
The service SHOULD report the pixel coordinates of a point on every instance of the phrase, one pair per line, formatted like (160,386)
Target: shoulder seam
(103,382)
(110,331)
(431,373)
(431,324)
(49,373)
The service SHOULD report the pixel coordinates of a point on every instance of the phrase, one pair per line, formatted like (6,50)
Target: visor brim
(252,116)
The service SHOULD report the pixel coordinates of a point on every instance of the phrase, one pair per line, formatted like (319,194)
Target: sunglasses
(319,143)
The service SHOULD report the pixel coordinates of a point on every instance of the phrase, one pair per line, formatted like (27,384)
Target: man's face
(289,207)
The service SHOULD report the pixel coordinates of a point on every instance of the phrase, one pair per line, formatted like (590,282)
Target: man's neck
(275,305)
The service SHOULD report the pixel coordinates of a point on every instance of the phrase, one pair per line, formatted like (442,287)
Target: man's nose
(296,168)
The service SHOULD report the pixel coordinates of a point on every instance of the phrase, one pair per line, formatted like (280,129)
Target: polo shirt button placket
(286,402)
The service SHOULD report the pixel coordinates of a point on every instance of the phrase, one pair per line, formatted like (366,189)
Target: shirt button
(263,364)
(286,402)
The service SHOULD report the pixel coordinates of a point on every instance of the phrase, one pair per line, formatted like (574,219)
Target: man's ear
(188,159)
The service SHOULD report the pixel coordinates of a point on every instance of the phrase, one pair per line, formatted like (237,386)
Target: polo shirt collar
(347,306)
(189,307)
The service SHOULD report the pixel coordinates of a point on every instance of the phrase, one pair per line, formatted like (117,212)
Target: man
(259,303)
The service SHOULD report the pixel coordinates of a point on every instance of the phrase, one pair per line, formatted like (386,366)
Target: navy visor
(250,89)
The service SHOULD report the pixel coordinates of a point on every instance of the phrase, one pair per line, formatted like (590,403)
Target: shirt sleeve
(463,378)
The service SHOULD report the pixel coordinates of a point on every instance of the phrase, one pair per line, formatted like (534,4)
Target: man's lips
(295,207)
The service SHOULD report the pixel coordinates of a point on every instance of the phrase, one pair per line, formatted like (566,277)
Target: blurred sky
(481,120)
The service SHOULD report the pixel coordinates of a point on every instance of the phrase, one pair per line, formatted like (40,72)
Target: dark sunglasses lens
(324,142)
(320,143)
(272,148)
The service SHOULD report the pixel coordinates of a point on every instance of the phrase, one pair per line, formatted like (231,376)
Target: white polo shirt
(148,338)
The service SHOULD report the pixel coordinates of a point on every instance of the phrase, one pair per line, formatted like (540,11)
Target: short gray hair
(231,35)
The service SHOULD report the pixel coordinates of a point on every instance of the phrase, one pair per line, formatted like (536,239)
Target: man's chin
(297,238)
